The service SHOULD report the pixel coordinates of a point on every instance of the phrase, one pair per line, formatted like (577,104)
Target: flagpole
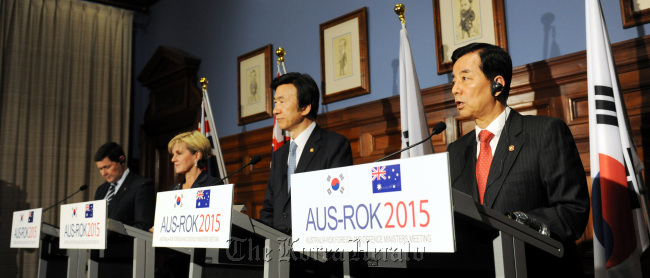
(215,138)
(413,120)
(278,135)
(280,53)
(399,10)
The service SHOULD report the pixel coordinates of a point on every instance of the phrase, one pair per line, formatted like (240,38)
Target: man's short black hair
(306,87)
(495,61)
(111,150)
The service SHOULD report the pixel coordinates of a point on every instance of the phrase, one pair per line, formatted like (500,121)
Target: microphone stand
(254,160)
(437,129)
(82,188)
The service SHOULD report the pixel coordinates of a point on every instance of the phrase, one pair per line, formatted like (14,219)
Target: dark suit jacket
(133,204)
(543,176)
(204,179)
(330,150)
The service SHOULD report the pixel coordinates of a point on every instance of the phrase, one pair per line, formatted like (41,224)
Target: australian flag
(203,198)
(386,179)
(89,210)
(30,218)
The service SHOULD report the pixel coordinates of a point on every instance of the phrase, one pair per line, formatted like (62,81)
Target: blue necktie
(292,163)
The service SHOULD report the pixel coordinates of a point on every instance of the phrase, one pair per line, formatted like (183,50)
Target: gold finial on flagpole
(280,53)
(399,10)
(204,83)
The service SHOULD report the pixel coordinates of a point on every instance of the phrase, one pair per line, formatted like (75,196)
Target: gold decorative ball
(400,9)
(279,52)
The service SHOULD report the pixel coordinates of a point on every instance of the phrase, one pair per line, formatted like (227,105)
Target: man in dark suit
(513,163)
(296,107)
(130,198)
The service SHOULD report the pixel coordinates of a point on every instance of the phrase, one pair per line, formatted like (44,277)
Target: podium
(509,245)
(404,217)
(142,252)
(508,239)
(55,262)
(255,249)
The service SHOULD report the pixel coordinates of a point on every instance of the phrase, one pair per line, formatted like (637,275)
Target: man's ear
(501,81)
(305,110)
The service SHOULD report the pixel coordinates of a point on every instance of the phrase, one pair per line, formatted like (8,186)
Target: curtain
(65,86)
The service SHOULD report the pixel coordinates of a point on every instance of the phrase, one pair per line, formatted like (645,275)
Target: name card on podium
(83,225)
(26,228)
(194,218)
(399,205)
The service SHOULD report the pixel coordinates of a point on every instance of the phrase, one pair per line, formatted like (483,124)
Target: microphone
(82,188)
(531,222)
(254,160)
(439,127)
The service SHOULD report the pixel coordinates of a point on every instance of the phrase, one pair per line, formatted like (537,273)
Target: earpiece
(496,87)
(122,160)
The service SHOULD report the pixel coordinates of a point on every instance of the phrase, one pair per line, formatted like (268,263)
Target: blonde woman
(190,152)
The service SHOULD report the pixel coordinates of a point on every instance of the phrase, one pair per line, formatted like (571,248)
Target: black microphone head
(440,126)
(255,159)
(83,187)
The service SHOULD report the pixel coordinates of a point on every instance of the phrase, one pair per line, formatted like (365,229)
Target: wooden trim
(633,18)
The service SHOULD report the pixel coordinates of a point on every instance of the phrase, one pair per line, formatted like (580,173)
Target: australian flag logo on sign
(203,198)
(30,218)
(386,179)
(89,210)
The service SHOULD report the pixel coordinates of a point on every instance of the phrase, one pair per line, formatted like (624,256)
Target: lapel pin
(311,150)
(511,148)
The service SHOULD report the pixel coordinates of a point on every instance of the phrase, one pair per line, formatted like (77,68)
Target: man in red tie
(528,165)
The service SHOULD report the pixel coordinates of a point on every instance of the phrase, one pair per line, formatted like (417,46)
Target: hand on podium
(530,222)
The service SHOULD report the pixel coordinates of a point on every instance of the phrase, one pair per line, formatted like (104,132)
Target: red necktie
(483,162)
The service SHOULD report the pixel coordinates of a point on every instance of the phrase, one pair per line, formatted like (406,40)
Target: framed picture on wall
(461,22)
(254,85)
(635,12)
(344,57)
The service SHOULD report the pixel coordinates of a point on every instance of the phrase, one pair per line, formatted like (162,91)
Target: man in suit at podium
(130,198)
(514,163)
(311,147)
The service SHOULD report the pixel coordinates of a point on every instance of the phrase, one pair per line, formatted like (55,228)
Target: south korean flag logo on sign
(335,184)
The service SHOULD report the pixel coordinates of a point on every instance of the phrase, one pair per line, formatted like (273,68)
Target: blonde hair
(195,142)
